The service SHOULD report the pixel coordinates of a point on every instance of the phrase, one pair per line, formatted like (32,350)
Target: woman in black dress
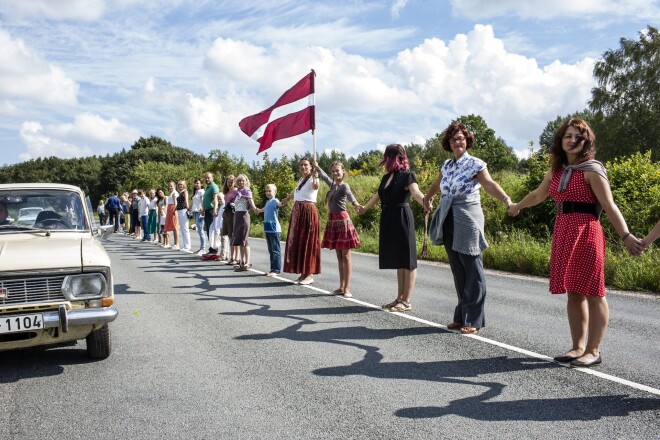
(397,246)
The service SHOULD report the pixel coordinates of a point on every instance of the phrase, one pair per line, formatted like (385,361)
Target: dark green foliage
(84,172)
(626,100)
(274,172)
(548,134)
(367,162)
(638,198)
(537,220)
(221,164)
(488,147)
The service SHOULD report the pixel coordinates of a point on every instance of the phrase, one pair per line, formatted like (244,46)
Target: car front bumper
(64,318)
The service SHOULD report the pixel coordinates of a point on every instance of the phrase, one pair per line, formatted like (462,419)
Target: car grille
(31,290)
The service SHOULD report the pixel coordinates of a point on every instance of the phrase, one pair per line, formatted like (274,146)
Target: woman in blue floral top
(458,224)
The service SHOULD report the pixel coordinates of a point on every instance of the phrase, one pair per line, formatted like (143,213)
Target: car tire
(98,343)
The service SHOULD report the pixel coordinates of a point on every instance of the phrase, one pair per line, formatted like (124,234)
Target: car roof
(9,186)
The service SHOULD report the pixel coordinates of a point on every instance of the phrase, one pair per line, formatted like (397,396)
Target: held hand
(361,209)
(513,209)
(634,245)
(428,203)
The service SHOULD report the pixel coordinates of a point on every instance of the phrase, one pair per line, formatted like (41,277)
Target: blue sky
(84,77)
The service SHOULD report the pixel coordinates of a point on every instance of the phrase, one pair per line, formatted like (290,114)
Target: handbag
(189,214)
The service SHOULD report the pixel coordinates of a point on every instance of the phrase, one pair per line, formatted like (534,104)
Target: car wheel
(98,343)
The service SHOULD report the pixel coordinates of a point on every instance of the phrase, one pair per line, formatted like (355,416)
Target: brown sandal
(454,326)
(390,305)
(469,330)
(400,307)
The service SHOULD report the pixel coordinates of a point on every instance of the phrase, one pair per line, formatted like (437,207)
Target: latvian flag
(291,115)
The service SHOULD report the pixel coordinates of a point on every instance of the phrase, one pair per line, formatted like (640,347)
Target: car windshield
(46,209)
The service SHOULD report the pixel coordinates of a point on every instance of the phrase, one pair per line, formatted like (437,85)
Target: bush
(635,183)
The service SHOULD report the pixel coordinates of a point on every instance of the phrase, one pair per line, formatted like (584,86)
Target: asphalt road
(203,352)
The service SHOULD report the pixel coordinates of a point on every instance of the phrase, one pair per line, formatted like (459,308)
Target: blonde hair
(244,177)
(183,183)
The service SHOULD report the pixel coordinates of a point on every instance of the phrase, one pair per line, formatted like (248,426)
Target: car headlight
(86,286)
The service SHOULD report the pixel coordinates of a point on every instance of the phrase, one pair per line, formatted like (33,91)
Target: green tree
(548,134)
(276,172)
(488,147)
(627,98)
(222,164)
(367,162)
(635,183)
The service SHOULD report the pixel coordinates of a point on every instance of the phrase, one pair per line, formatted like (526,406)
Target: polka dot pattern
(577,258)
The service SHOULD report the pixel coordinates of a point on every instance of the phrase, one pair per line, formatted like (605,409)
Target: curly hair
(449,133)
(588,152)
(395,158)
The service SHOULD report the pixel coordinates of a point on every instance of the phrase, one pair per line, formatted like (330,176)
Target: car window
(51,209)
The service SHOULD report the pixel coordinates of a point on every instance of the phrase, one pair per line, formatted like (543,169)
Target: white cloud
(40,144)
(150,85)
(73,139)
(90,128)
(578,10)
(474,73)
(397,6)
(54,9)
(25,75)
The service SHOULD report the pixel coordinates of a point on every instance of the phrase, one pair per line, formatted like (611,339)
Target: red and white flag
(291,115)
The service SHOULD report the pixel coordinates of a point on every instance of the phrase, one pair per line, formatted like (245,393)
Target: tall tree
(548,134)
(627,98)
(492,149)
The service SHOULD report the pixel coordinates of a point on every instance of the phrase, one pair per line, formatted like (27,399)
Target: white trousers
(184,229)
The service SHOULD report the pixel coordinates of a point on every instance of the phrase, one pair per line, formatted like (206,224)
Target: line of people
(576,181)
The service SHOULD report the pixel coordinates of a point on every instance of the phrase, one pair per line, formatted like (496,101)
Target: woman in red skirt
(302,253)
(339,234)
(580,188)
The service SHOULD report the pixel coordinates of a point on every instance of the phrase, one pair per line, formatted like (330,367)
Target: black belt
(578,207)
(396,205)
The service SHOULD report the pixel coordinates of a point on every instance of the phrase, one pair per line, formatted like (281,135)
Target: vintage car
(55,276)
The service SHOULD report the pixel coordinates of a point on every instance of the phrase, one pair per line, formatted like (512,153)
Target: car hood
(19,252)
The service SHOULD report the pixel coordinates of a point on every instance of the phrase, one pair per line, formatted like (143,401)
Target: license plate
(21,323)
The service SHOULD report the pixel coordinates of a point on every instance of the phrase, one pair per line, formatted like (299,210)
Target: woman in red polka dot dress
(580,188)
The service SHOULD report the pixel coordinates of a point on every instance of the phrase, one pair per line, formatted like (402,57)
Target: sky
(90,77)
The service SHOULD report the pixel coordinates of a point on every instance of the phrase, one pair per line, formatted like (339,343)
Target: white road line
(593,372)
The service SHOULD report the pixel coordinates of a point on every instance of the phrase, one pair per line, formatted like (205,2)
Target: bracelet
(626,235)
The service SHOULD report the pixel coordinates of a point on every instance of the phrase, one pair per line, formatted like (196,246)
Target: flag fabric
(291,115)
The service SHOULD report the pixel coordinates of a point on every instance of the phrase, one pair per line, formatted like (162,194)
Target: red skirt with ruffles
(339,232)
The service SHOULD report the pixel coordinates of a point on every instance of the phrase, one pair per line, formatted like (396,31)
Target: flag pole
(314,121)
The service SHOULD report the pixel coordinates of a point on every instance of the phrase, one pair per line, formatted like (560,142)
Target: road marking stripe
(513,348)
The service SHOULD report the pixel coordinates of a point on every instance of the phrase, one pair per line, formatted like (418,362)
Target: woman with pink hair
(397,247)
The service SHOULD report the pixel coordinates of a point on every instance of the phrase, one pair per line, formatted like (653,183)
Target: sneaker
(200,252)
(175,247)
(186,250)
(307,281)
(167,246)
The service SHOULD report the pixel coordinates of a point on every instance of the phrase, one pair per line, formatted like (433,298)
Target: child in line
(163,237)
(339,234)
(272,229)
(243,203)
